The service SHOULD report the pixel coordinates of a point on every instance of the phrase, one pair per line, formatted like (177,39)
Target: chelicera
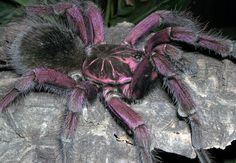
(73,57)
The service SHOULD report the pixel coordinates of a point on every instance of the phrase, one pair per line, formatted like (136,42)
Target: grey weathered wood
(39,116)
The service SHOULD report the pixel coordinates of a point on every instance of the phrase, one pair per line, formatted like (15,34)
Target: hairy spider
(64,52)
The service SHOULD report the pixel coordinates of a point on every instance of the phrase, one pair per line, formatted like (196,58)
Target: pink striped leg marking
(171,51)
(82,92)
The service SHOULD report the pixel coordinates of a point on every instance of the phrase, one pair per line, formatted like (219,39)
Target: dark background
(217,14)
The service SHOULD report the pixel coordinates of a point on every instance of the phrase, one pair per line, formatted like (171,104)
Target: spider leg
(131,120)
(74,15)
(89,22)
(156,19)
(183,99)
(81,92)
(85,17)
(96,21)
(140,80)
(32,79)
(48,9)
(77,100)
(180,34)
(35,78)
(176,57)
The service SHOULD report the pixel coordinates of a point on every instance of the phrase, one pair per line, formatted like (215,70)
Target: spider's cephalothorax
(49,51)
(112,64)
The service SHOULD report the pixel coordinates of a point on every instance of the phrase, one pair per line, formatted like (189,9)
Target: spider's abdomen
(47,44)
(111,64)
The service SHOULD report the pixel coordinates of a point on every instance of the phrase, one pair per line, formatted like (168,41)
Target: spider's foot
(142,141)
(196,132)
(66,146)
(233,51)
(203,156)
(196,135)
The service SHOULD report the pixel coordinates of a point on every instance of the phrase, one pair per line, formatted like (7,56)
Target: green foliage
(118,11)
(23,2)
(8,11)
(230,161)
(114,11)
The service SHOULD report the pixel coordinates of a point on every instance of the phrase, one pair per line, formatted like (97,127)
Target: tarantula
(68,54)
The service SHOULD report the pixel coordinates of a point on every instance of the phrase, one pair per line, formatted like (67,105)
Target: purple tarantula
(63,52)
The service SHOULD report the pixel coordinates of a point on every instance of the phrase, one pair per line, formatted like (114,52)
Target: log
(39,115)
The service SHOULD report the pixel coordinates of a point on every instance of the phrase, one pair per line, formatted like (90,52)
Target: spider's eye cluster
(138,55)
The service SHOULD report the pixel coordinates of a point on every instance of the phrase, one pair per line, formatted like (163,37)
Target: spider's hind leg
(157,19)
(223,47)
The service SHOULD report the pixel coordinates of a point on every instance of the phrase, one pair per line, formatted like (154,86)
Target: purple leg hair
(76,102)
(75,16)
(176,57)
(88,23)
(38,76)
(173,52)
(132,120)
(48,9)
(141,79)
(82,92)
(95,17)
(173,84)
(181,34)
(184,100)
(156,19)
(78,98)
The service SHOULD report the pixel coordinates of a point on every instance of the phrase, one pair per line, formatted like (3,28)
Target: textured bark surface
(39,116)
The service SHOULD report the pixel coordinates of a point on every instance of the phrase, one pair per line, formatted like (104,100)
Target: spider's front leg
(224,47)
(182,98)
(156,19)
(131,120)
